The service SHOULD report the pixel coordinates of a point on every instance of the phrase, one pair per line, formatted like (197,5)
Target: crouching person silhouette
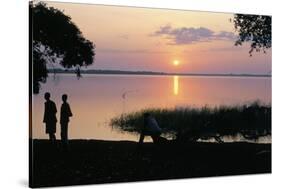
(50,118)
(65,113)
(151,128)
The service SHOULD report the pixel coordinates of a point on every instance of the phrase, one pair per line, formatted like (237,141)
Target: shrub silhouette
(251,121)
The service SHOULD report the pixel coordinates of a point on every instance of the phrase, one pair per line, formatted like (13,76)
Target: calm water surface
(95,99)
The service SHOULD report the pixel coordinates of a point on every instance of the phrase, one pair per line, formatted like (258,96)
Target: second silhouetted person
(65,113)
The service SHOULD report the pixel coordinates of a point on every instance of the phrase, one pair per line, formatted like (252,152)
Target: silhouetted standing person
(65,113)
(50,118)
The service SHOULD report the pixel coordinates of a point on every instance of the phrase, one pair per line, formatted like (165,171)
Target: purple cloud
(184,35)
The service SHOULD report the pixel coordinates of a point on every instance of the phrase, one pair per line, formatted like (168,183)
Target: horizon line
(145,72)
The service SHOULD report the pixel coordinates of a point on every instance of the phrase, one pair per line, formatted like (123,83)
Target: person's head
(47,96)
(146,115)
(64,97)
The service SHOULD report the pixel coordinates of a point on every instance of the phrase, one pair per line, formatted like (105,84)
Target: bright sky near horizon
(129,38)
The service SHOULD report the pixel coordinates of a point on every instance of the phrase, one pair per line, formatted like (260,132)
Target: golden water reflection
(176,85)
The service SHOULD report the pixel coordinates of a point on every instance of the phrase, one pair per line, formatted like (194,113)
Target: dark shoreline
(150,73)
(96,161)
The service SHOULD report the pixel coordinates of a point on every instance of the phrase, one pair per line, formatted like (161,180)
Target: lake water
(95,99)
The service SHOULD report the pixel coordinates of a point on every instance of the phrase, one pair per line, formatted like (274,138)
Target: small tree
(253,28)
(55,39)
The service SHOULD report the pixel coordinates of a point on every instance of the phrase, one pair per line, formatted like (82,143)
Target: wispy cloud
(143,51)
(218,49)
(189,35)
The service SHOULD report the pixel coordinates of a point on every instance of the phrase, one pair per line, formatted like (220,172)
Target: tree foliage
(56,39)
(255,29)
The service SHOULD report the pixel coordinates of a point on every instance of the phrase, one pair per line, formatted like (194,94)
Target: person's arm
(44,118)
(55,108)
(69,111)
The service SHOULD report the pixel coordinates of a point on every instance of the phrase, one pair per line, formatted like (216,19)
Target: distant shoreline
(120,72)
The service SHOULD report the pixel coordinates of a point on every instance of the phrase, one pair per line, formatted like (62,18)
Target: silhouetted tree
(56,39)
(253,28)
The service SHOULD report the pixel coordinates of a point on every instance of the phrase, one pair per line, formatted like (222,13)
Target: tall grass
(252,121)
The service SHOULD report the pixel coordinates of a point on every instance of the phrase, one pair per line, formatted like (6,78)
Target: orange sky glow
(129,38)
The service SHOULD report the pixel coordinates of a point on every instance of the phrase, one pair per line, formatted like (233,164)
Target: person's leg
(155,138)
(48,126)
(141,138)
(52,137)
(63,133)
(140,146)
(66,133)
(64,137)
(53,131)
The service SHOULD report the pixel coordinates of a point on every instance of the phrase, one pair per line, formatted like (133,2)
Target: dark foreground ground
(94,161)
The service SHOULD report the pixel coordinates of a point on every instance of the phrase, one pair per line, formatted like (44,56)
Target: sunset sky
(129,38)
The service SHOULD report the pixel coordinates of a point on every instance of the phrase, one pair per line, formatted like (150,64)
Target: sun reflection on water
(176,85)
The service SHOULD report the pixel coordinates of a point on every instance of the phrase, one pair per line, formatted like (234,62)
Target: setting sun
(176,62)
